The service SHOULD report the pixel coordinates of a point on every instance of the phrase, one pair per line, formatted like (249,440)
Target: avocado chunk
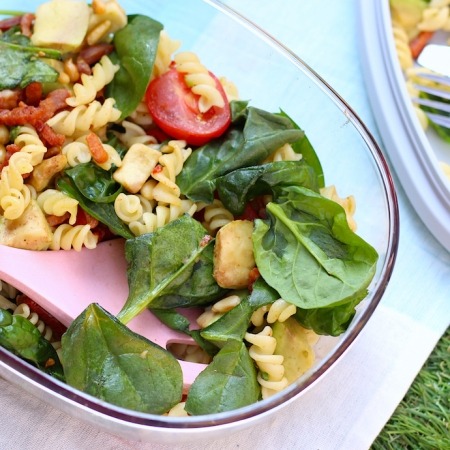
(61,24)
(292,343)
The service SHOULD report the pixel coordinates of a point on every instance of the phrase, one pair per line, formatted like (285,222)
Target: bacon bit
(98,152)
(252,277)
(205,240)
(103,233)
(158,168)
(84,218)
(33,93)
(9,99)
(52,151)
(54,221)
(24,114)
(419,43)
(12,148)
(48,135)
(6,24)
(83,66)
(92,54)
(26,22)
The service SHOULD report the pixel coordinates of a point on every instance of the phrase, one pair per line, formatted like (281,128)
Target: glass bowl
(271,77)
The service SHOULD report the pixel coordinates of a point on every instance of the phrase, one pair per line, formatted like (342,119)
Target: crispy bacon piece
(54,221)
(26,22)
(83,66)
(83,218)
(6,24)
(33,93)
(92,54)
(23,113)
(99,154)
(9,99)
(48,135)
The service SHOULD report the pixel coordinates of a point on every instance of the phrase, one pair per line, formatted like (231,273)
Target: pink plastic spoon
(64,283)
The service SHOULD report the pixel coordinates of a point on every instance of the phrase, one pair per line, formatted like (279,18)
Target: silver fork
(440,119)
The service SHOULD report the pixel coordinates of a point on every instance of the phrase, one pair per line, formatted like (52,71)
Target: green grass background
(421,421)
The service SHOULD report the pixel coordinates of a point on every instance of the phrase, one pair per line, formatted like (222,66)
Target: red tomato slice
(174,109)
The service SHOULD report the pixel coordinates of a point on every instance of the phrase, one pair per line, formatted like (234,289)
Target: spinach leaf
(94,183)
(176,321)
(237,188)
(307,252)
(234,323)
(330,321)
(160,263)
(135,51)
(103,358)
(19,67)
(21,337)
(103,212)
(309,155)
(252,137)
(228,383)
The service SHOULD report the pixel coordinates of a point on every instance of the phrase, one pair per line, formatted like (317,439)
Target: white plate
(414,154)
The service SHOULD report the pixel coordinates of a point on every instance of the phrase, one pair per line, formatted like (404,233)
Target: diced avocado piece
(407,13)
(30,231)
(61,24)
(292,343)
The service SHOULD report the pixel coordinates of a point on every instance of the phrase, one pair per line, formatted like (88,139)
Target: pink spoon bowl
(64,283)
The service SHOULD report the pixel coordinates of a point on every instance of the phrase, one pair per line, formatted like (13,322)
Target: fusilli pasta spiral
(86,91)
(67,237)
(271,370)
(57,203)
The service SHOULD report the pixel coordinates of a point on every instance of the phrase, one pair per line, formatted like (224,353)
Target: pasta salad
(107,131)
(414,25)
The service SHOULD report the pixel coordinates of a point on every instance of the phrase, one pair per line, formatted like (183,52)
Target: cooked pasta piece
(107,17)
(83,118)
(86,91)
(215,216)
(271,370)
(279,311)
(134,134)
(164,52)
(199,80)
(54,202)
(348,203)
(217,310)
(66,237)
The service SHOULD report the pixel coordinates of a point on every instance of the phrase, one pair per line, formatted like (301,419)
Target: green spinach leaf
(94,183)
(103,212)
(228,383)
(252,137)
(103,358)
(160,263)
(309,155)
(307,252)
(135,51)
(19,67)
(21,337)
(234,323)
(237,188)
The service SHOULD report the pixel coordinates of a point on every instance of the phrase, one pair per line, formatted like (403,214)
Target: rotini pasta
(217,310)
(160,216)
(66,237)
(166,48)
(279,311)
(348,203)
(86,91)
(134,134)
(57,203)
(271,370)
(83,118)
(215,216)
(199,80)
(107,17)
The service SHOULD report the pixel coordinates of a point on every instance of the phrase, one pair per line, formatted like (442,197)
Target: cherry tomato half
(174,109)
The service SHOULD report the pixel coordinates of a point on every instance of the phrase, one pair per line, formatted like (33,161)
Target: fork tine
(433,91)
(439,120)
(441,106)
(441,79)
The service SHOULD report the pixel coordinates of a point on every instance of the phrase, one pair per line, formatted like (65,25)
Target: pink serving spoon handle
(64,283)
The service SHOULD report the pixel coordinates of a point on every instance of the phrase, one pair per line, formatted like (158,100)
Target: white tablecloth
(348,407)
